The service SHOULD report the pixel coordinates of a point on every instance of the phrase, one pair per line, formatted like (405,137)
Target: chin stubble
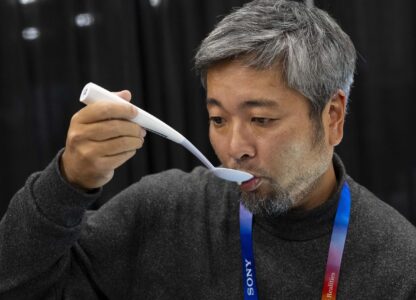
(279,200)
(276,202)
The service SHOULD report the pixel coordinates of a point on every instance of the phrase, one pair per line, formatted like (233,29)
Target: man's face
(259,125)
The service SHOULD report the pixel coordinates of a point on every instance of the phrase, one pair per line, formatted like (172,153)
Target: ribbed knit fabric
(175,235)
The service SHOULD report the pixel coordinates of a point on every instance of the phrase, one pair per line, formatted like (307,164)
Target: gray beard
(278,201)
(281,200)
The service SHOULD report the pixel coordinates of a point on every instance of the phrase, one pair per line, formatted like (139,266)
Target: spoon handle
(92,93)
(195,151)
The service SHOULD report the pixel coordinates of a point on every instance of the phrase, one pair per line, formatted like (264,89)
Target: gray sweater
(175,235)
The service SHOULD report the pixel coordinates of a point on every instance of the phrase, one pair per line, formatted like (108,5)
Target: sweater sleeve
(41,225)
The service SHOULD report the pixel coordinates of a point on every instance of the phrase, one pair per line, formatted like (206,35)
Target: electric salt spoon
(92,93)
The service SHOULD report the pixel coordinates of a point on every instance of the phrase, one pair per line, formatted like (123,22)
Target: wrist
(69,180)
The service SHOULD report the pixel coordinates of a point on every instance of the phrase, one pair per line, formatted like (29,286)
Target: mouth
(251,185)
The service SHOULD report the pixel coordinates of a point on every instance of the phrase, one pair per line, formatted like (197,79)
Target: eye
(216,121)
(262,121)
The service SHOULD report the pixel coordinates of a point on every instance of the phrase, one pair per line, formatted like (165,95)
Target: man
(277,76)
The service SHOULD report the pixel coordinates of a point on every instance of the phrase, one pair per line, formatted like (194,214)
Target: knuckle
(132,110)
(86,155)
(126,156)
(75,118)
(143,132)
(73,137)
(73,142)
(130,154)
(108,176)
(139,143)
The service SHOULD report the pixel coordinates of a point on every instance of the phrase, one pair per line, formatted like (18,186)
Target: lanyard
(336,249)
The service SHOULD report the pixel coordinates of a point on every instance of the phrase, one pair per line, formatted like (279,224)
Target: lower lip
(251,185)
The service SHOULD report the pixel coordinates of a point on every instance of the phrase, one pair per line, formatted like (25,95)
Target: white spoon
(92,93)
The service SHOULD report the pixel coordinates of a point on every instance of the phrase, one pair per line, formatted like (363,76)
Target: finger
(104,110)
(110,129)
(125,94)
(115,161)
(118,146)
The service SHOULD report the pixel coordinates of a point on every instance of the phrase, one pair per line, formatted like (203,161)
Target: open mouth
(251,185)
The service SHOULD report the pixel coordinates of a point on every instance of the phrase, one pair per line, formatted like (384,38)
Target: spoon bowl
(231,174)
(92,93)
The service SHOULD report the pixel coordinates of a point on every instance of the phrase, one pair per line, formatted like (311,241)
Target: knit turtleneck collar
(306,225)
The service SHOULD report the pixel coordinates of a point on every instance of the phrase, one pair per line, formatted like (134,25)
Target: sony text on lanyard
(336,249)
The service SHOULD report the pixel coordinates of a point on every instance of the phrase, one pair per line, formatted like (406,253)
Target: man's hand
(100,139)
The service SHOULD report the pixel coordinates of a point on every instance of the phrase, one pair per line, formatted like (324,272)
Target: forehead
(237,69)
(234,82)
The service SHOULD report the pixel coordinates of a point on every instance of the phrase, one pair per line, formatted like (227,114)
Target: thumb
(125,94)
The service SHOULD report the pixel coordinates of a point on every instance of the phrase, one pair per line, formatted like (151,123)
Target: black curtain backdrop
(50,49)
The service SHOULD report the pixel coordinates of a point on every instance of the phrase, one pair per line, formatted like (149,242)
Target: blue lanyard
(246,239)
(336,249)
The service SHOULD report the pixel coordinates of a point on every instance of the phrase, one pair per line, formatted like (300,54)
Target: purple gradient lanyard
(336,249)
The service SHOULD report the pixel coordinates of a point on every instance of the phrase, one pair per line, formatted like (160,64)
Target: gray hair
(315,56)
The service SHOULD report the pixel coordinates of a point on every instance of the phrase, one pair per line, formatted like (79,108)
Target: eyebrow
(254,103)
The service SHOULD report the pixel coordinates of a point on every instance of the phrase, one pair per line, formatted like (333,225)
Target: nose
(241,146)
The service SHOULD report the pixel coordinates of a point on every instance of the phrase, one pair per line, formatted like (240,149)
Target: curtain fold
(50,49)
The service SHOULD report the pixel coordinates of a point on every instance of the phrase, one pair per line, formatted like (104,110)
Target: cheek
(284,148)
(276,142)
(217,143)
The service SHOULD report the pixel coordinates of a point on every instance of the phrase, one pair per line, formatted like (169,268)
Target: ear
(334,115)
